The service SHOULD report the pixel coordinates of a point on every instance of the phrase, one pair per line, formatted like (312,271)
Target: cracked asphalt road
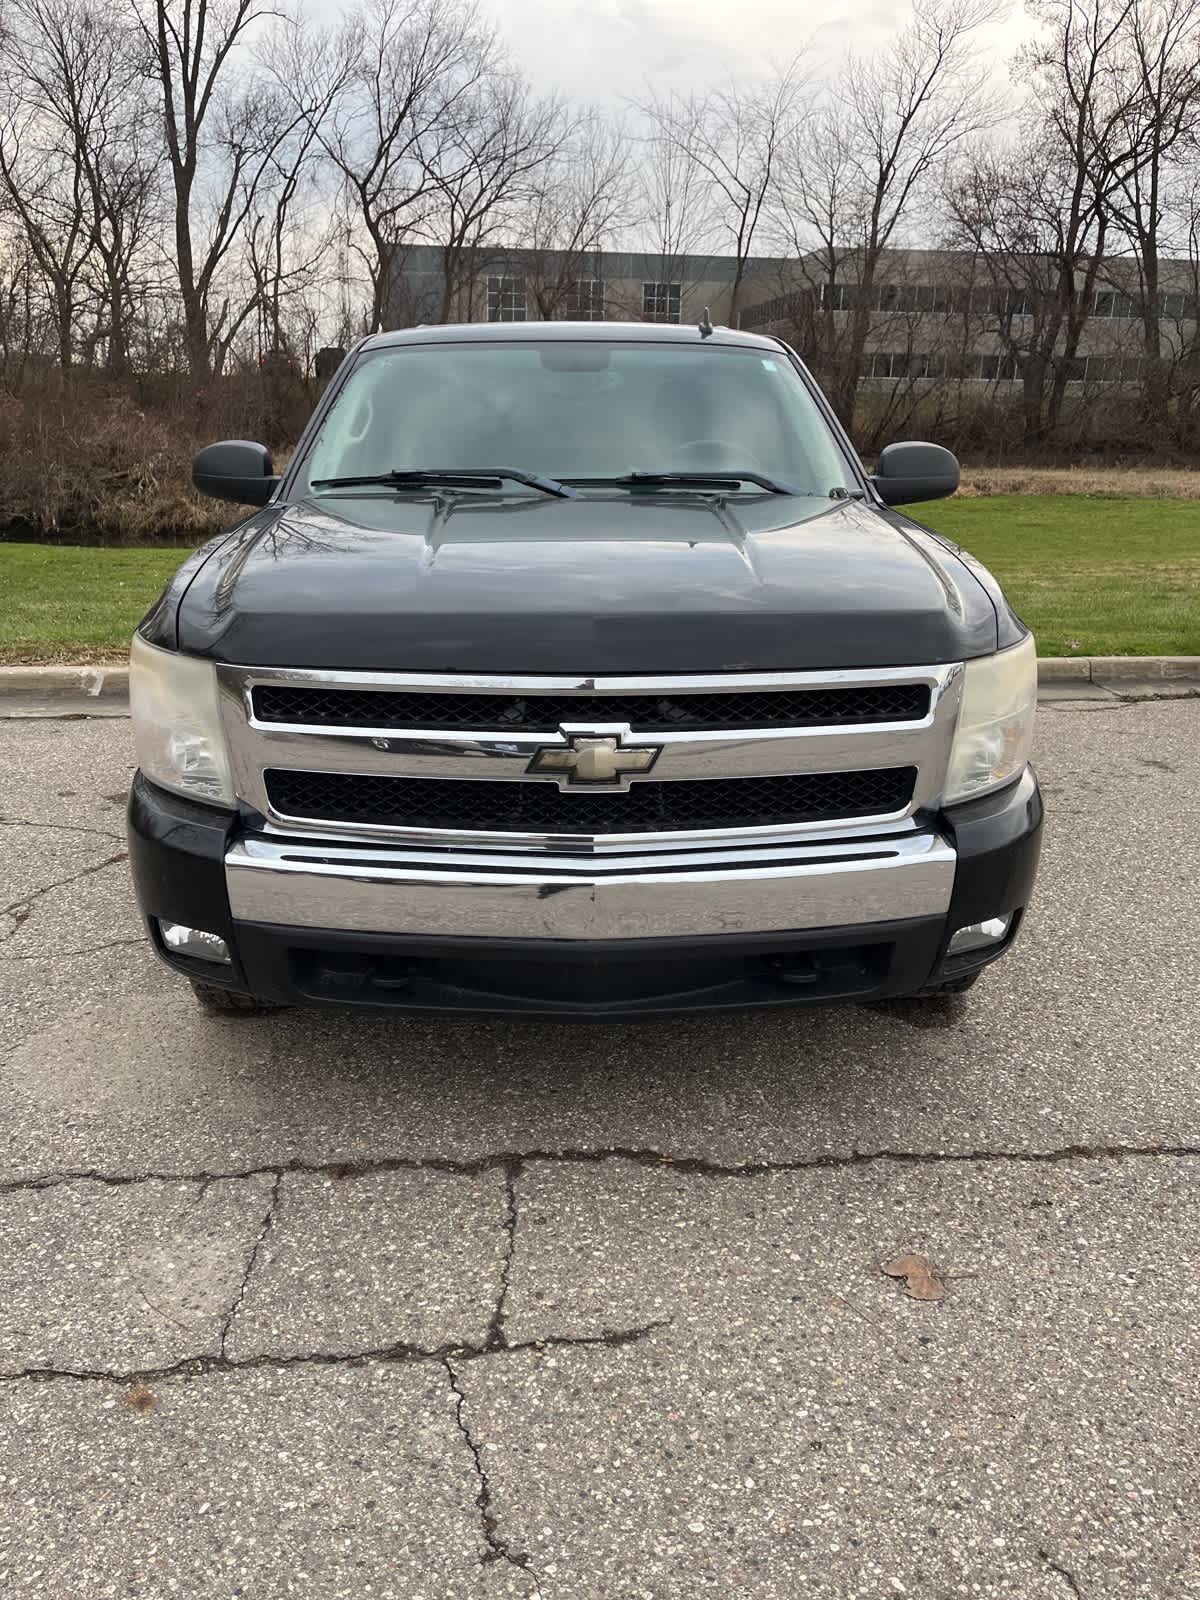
(333,1305)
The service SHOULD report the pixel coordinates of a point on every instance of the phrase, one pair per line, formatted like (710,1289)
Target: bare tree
(732,138)
(47,200)
(126,201)
(1036,212)
(483,165)
(1156,91)
(852,174)
(383,91)
(285,244)
(580,199)
(822,222)
(222,131)
(1040,253)
(20,312)
(55,65)
(1186,376)
(672,206)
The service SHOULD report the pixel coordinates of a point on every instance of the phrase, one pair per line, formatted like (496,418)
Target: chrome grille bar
(257,746)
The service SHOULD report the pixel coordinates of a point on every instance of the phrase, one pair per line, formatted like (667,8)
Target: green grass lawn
(1101,576)
(1090,576)
(75,603)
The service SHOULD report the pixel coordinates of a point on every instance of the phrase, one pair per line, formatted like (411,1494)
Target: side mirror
(235,470)
(911,472)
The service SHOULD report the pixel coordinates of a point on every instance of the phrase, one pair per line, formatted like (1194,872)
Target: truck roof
(515,332)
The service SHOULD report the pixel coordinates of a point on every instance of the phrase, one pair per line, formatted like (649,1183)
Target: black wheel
(948,986)
(935,1006)
(228,1002)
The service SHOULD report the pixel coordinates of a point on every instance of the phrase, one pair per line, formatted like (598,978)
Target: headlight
(177,732)
(995,721)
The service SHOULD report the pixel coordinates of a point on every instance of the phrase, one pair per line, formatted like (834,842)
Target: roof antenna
(706,327)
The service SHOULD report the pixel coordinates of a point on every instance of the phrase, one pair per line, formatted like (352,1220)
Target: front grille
(507,806)
(543,713)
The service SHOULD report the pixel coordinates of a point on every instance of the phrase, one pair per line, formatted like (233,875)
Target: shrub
(95,462)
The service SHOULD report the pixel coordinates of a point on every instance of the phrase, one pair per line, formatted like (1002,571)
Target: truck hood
(608,583)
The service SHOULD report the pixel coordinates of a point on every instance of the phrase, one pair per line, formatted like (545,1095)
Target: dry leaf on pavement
(921,1279)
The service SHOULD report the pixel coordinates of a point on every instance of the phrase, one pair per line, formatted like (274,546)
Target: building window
(997,368)
(1175,307)
(585,303)
(834,297)
(506,299)
(909,298)
(784,307)
(1110,303)
(883,364)
(661,302)
(898,364)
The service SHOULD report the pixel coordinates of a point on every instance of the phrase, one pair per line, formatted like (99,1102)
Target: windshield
(579,410)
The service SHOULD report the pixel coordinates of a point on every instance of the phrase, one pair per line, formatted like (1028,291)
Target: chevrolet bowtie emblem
(593,760)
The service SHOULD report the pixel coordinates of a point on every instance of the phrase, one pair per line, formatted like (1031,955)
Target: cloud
(604,51)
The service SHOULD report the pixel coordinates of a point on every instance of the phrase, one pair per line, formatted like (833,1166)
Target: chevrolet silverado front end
(708,728)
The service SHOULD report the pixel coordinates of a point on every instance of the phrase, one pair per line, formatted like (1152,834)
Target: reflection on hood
(608,583)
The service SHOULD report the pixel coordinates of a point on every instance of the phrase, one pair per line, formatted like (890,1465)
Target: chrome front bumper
(795,886)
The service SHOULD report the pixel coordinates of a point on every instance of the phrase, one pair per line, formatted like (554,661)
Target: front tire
(935,1006)
(948,986)
(218,1002)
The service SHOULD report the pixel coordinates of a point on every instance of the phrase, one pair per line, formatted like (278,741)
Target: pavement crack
(498,1548)
(398,1353)
(515,1162)
(496,1337)
(1065,707)
(265,1227)
(1065,1573)
(1132,697)
(607,1338)
(58,827)
(21,908)
(89,950)
(158,1311)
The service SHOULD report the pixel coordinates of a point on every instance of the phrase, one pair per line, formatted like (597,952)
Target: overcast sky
(603,49)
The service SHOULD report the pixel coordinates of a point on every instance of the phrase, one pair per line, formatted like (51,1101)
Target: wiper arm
(450,478)
(692,480)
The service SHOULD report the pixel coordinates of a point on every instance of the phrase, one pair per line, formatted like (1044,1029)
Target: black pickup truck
(580,670)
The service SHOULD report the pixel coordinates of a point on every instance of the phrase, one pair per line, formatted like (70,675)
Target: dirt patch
(1151,483)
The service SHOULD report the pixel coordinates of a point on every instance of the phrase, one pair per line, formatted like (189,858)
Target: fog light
(193,942)
(978,935)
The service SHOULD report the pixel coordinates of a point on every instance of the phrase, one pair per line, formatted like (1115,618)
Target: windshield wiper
(450,478)
(690,480)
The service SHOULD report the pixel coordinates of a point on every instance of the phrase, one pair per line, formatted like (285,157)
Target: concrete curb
(1064,669)
(65,682)
(1119,669)
(1143,669)
(104,690)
